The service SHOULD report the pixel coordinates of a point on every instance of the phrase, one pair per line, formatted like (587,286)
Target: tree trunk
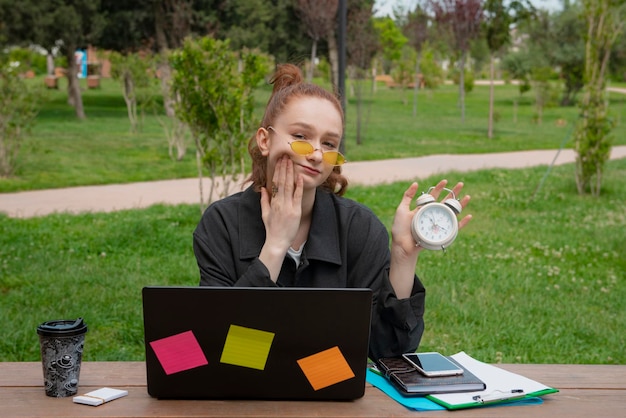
(49,64)
(309,73)
(333,56)
(75,98)
(491,75)
(417,83)
(359,107)
(165,72)
(131,102)
(462,86)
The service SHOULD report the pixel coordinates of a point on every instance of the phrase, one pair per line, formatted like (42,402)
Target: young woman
(292,227)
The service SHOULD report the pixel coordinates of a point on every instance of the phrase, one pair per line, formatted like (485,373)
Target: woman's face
(309,119)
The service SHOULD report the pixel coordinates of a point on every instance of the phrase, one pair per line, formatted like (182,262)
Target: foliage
(542,86)
(28,59)
(432,73)
(19,104)
(568,51)
(557,42)
(216,102)
(605,21)
(391,41)
(518,67)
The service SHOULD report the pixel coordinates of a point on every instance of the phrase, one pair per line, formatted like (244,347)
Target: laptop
(256,343)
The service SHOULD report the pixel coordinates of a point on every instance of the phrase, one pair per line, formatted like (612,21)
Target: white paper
(496,380)
(100,396)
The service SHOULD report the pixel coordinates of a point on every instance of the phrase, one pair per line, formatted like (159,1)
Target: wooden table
(585,391)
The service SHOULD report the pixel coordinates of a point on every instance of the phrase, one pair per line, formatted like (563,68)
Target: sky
(385,7)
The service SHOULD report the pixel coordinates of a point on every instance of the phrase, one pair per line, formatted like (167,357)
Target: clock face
(434,226)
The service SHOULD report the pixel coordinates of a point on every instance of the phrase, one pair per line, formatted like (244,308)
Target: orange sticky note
(326,368)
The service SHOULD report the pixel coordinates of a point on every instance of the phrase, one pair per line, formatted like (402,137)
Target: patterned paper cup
(61,345)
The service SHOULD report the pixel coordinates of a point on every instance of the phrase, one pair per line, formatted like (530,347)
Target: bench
(390,83)
(585,391)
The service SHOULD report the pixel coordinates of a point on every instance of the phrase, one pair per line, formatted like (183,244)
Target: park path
(113,197)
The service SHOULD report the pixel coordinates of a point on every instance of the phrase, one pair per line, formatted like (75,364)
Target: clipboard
(502,387)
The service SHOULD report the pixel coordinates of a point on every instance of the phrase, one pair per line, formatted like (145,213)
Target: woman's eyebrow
(304,125)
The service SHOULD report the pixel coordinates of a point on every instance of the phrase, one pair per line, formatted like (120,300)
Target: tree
(462,19)
(416,30)
(592,141)
(136,75)
(215,86)
(568,50)
(318,17)
(361,46)
(391,41)
(63,24)
(498,22)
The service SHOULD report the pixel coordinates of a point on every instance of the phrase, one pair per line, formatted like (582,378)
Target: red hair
(288,84)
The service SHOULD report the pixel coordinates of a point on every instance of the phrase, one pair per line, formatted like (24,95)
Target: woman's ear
(263,141)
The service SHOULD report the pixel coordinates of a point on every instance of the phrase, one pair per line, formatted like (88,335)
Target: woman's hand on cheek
(282,210)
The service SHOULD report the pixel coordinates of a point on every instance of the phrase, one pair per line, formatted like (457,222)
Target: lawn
(534,278)
(64,151)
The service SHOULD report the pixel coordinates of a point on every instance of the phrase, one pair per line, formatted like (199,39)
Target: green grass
(63,151)
(527,281)
(531,281)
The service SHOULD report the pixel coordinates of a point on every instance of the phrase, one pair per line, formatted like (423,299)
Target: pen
(499,395)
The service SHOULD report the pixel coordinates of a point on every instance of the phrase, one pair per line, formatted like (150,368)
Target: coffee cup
(61,344)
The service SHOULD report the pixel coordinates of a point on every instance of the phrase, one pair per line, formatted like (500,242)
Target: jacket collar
(322,243)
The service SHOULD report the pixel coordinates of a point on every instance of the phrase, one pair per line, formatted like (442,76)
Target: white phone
(432,364)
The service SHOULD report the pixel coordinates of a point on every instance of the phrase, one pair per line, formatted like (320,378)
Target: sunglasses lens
(302,147)
(305,148)
(334,158)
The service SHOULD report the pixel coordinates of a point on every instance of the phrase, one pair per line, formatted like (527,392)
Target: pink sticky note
(179,352)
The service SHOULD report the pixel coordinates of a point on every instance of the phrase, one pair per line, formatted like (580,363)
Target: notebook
(256,343)
(410,382)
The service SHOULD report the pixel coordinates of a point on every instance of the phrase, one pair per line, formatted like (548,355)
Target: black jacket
(347,247)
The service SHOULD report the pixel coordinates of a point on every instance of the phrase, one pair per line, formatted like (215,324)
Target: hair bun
(286,75)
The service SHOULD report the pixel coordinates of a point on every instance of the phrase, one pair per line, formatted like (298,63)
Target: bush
(19,104)
(29,60)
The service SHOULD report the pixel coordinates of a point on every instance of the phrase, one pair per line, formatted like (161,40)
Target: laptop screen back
(256,343)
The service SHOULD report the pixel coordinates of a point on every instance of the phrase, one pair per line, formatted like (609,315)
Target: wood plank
(130,373)
(22,402)
(29,374)
(585,390)
(573,376)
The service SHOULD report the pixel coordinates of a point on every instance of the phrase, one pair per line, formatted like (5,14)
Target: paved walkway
(114,197)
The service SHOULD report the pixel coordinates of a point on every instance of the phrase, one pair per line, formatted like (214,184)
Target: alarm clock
(435,225)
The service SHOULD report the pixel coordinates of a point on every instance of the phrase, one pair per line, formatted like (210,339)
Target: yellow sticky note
(326,368)
(247,347)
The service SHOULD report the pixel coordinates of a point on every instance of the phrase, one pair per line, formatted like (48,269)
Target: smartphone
(432,364)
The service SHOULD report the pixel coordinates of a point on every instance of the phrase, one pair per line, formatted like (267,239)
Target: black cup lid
(62,328)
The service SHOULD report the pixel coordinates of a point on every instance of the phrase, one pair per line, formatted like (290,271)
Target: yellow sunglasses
(305,148)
